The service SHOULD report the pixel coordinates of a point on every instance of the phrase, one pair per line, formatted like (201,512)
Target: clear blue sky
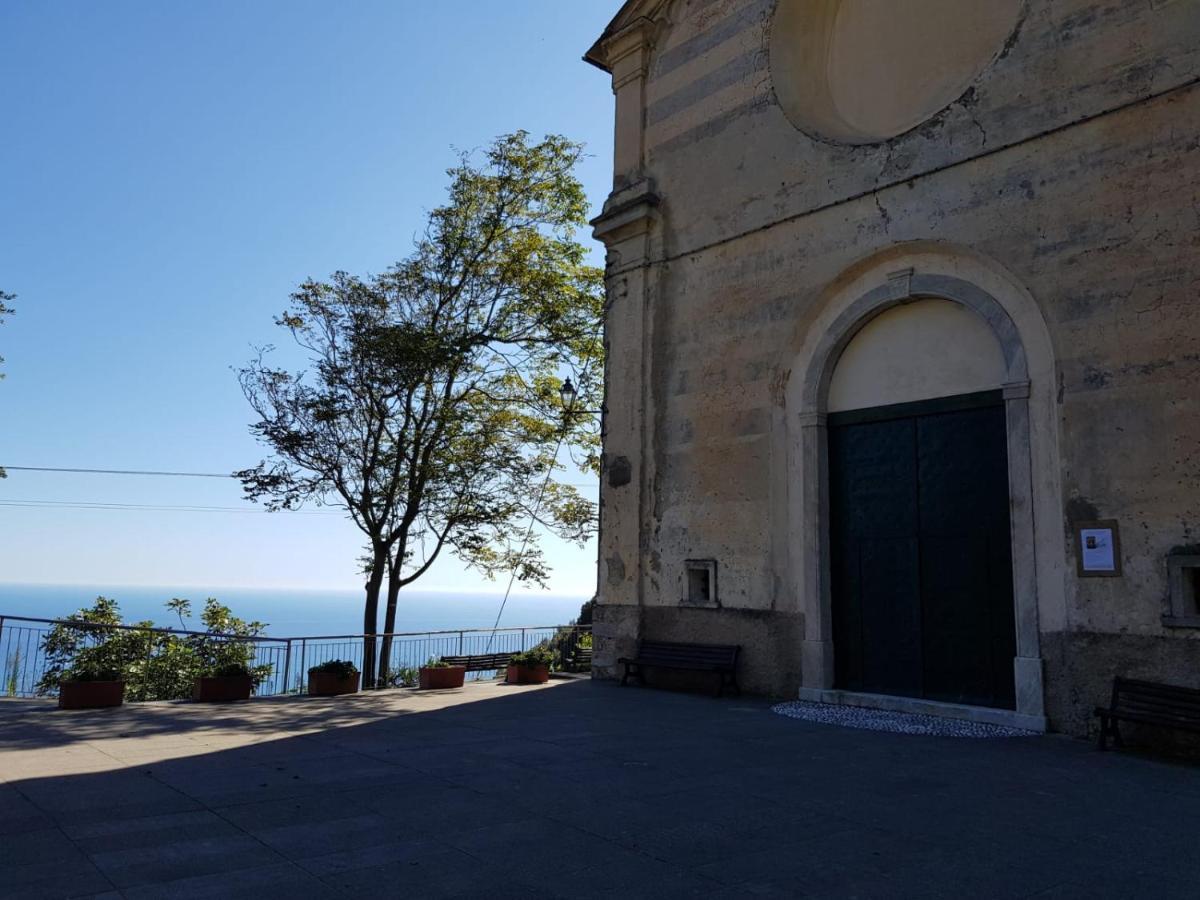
(168,173)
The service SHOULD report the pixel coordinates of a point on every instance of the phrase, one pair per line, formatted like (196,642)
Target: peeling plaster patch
(616,570)
(620,471)
(1080,509)
(884,216)
(1096,378)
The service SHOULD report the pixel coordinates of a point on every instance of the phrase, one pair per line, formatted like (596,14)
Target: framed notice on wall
(1098,549)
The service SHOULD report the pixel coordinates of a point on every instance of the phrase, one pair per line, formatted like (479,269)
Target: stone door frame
(808,464)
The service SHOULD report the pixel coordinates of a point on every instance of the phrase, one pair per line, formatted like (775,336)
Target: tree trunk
(389,621)
(371,617)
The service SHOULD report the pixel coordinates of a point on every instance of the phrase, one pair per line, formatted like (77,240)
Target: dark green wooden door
(921,551)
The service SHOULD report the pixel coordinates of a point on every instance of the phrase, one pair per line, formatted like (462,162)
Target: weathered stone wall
(1072,163)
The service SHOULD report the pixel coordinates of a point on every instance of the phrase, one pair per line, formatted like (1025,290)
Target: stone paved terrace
(573,789)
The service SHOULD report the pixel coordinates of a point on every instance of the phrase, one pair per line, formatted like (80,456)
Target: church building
(903,348)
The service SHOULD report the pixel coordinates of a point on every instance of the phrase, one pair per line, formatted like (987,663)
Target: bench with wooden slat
(1148,703)
(481,662)
(720,659)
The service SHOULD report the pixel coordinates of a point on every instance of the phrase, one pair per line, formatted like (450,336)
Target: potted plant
(438,675)
(88,685)
(231,681)
(530,667)
(333,677)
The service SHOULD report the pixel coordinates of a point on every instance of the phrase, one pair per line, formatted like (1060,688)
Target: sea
(297,613)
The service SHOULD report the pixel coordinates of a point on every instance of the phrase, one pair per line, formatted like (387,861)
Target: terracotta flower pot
(90,694)
(440,678)
(328,684)
(528,674)
(222,688)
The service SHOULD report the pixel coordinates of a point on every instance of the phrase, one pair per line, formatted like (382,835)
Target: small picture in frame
(1098,549)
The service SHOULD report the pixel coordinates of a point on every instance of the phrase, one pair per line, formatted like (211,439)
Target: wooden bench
(482,662)
(720,659)
(1148,703)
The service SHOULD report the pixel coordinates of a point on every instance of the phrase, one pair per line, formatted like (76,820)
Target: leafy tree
(430,407)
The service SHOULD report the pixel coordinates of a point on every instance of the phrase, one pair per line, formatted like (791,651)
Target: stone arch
(894,277)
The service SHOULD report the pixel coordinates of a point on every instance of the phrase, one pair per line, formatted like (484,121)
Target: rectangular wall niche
(700,586)
(1183,597)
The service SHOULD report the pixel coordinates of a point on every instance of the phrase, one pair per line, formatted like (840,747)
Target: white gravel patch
(893,722)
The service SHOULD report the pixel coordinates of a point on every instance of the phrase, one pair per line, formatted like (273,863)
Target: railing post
(460,643)
(523,647)
(287,668)
(303,653)
(146,673)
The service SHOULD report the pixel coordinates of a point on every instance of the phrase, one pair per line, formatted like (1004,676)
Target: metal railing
(285,661)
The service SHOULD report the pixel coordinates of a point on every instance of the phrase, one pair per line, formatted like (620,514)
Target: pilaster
(627,225)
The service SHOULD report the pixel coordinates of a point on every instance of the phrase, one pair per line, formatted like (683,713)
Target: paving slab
(572,789)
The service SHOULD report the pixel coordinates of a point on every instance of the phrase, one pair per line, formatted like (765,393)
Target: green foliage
(538,656)
(435,663)
(430,410)
(155,665)
(227,644)
(563,644)
(230,670)
(404,676)
(342,668)
(12,668)
(91,669)
(91,647)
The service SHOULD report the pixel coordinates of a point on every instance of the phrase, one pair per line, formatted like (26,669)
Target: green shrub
(435,663)
(89,669)
(229,670)
(403,676)
(342,668)
(153,665)
(227,642)
(538,656)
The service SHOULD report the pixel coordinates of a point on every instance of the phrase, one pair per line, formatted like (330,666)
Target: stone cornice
(631,31)
(628,211)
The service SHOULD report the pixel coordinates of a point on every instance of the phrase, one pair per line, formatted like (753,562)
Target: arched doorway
(992,397)
(920,549)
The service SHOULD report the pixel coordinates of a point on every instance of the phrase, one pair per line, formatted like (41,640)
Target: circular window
(863,71)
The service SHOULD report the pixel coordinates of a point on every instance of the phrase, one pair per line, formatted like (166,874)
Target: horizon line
(292,588)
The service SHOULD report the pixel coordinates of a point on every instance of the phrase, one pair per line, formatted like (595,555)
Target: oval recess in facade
(864,71)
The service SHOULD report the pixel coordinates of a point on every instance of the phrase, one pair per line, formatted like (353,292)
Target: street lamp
(567,393)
